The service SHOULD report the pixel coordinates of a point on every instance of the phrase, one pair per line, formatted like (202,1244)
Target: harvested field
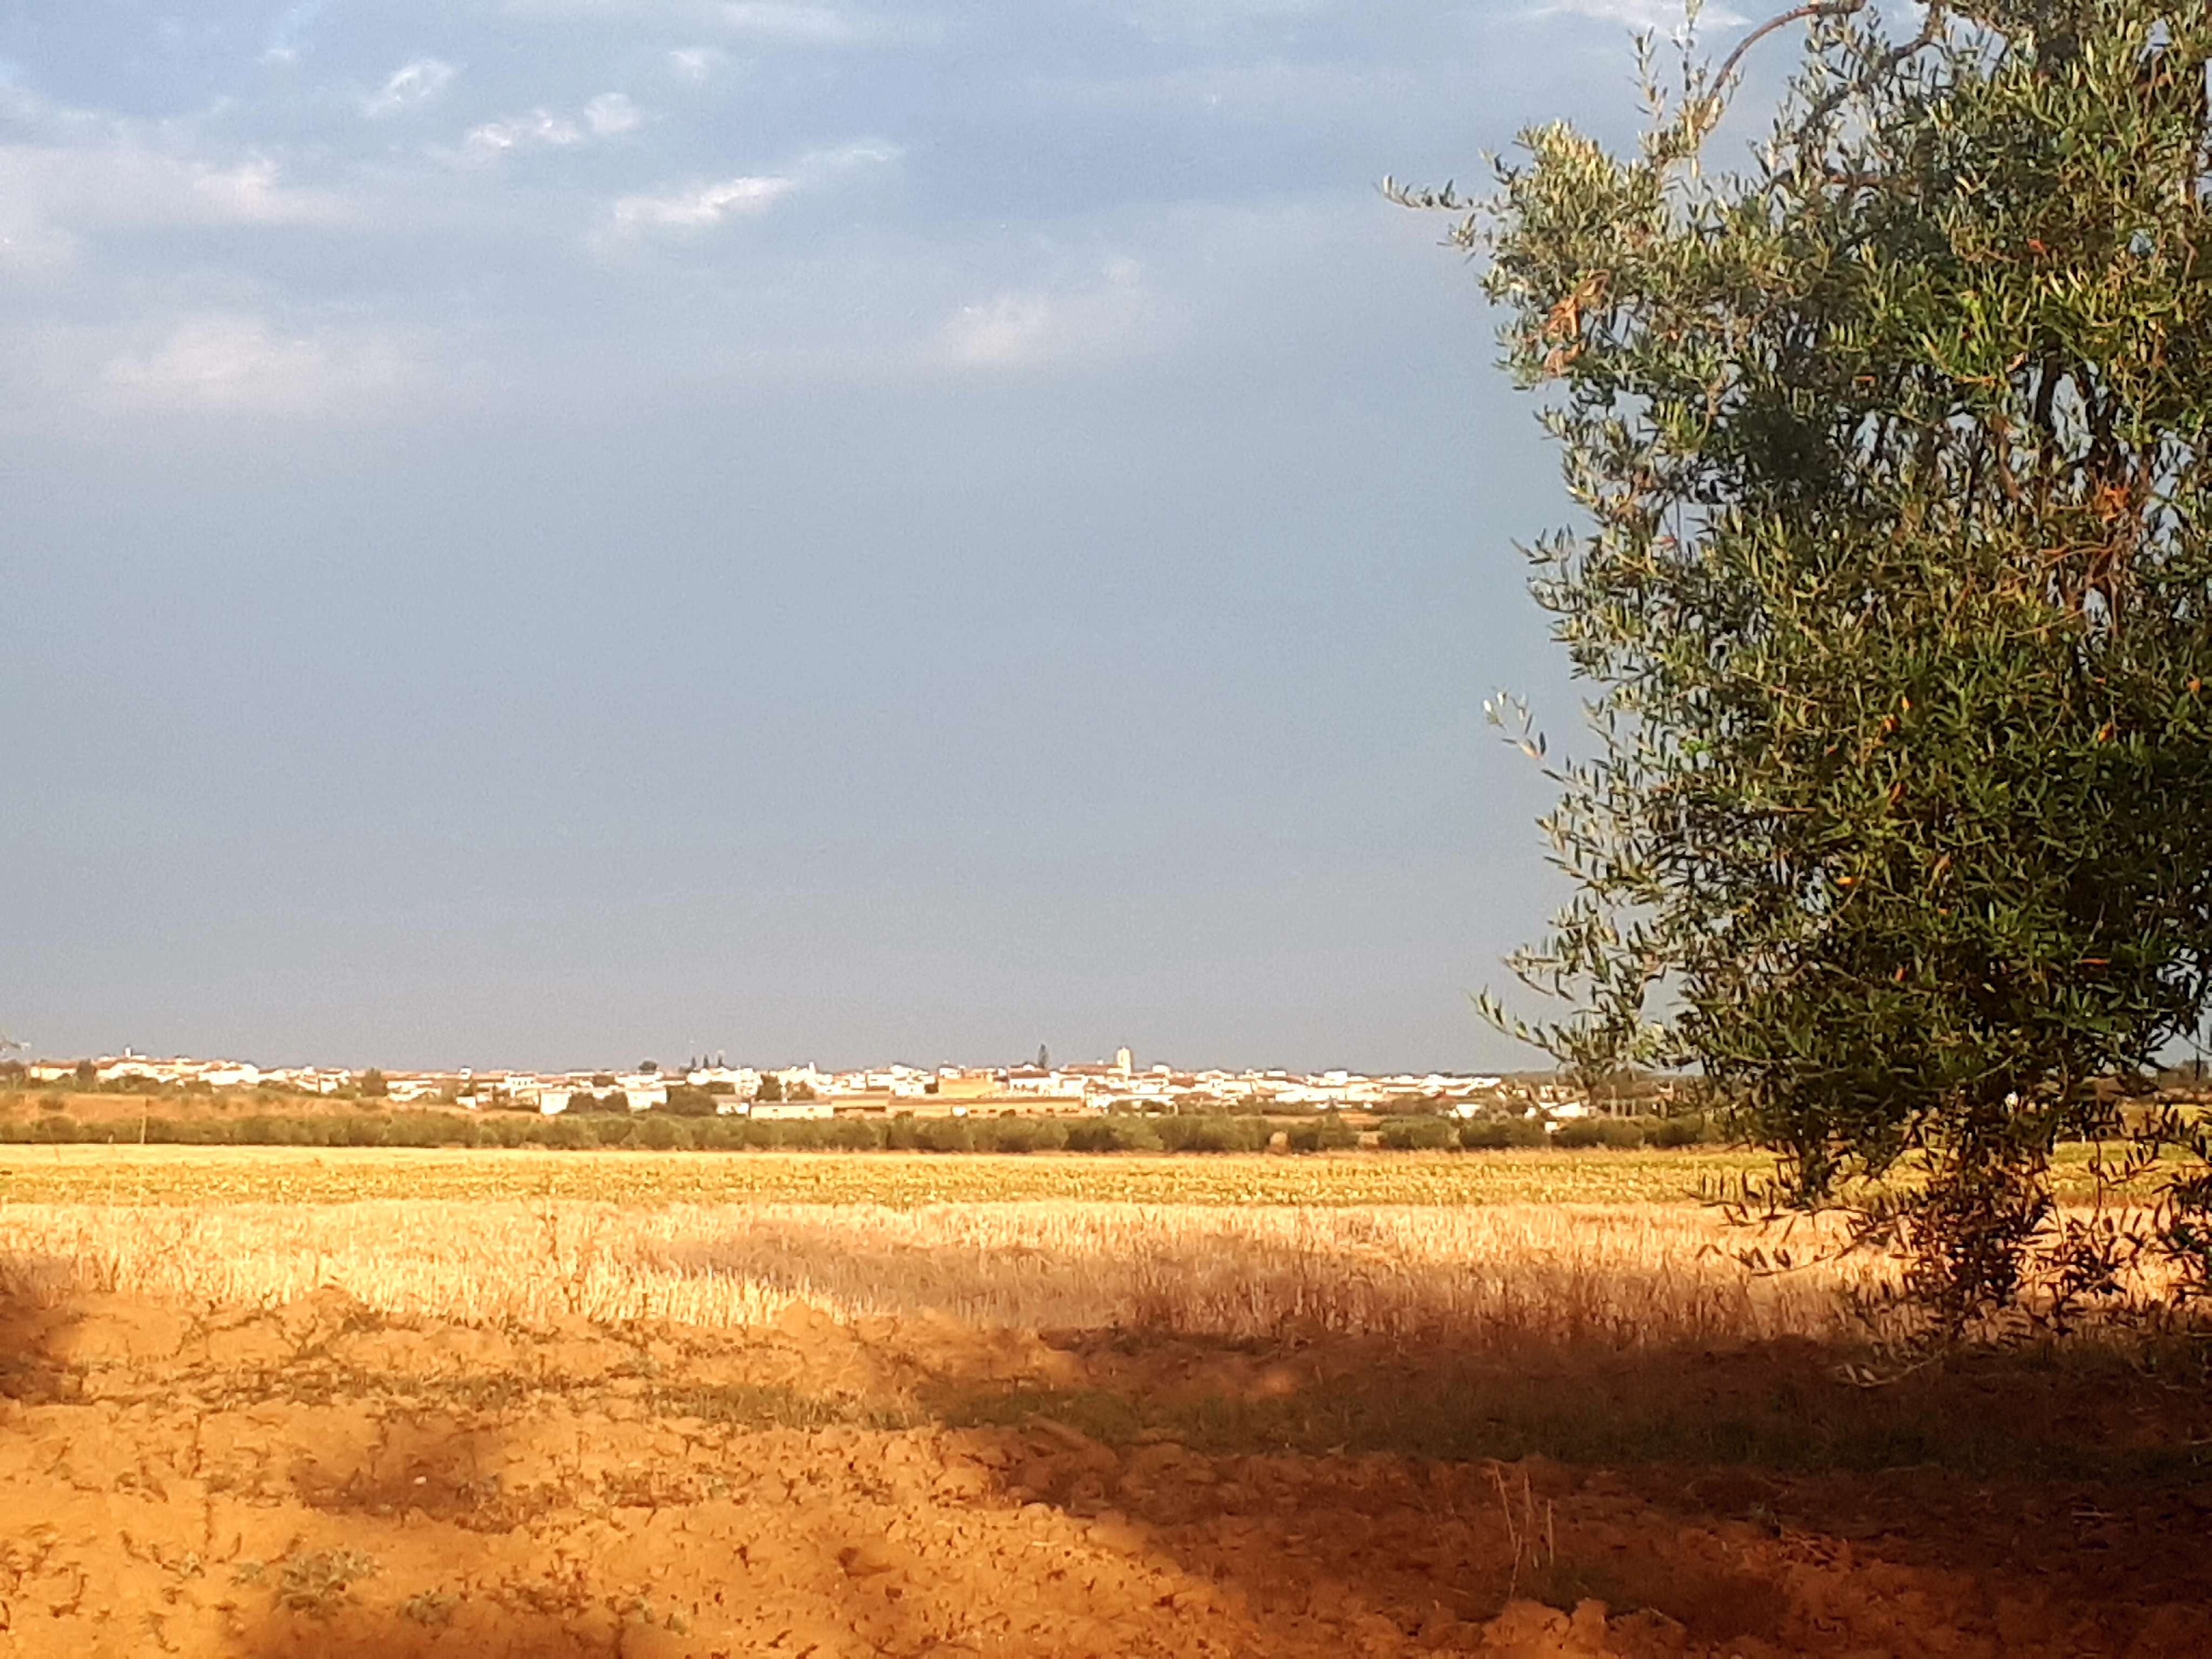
(193,1174)
(208,1175)
(547,1427)
(1620,1276)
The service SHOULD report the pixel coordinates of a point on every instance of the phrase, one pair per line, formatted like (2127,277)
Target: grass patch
(433,1609)
(1110,1419)
(318,1582)
(771,1405)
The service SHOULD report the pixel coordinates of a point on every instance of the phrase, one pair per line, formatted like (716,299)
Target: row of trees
(657,1131)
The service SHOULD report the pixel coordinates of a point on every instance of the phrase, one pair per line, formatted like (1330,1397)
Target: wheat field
(201,1175)
(1620,1275)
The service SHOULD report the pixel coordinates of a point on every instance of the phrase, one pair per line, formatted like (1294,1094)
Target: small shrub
(1497,1134)
(943,1134)
(1581,1134)
(1117,1135)
(563,1135)
(685,1101)
(1690,1129)
(1213,1134)
(1022,1134)
(318,1581)
(1419,1134)
(1326,1132)
(431,1608)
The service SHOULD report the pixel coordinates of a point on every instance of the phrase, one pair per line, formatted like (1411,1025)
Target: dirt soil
(321,1479)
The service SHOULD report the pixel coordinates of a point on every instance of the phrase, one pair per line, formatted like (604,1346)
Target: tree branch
(1817,8)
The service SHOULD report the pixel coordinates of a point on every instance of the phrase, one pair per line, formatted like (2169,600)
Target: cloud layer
(244,364)
(558,529)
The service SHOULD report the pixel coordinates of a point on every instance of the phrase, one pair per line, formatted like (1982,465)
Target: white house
(794,1109)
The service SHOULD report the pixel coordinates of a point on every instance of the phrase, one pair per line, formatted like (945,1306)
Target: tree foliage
(1894,596)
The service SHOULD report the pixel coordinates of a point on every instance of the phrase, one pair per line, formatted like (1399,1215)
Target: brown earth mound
(321,1479)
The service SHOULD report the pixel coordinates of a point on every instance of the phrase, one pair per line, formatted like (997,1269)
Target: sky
(551,532)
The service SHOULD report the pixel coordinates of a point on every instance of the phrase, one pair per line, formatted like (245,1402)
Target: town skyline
(1483,1050)
(1121,1075)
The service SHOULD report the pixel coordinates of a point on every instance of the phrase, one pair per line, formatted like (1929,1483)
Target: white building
(766,1109)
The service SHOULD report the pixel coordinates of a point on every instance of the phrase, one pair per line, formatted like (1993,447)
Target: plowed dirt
(320,1479)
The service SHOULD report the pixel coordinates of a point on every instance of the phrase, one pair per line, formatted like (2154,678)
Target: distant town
(1040,1088)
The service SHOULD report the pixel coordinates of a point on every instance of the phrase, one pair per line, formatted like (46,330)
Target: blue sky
(550,531)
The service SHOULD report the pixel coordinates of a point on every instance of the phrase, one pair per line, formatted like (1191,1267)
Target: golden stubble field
(195,1174)
(353,1404)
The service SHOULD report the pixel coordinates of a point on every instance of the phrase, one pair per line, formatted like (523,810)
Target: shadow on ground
(320,1479)
(2024,1503)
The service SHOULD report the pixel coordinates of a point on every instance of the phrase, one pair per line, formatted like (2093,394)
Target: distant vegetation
(677,1127)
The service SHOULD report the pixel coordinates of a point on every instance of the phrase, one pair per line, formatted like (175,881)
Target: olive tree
(1892,590)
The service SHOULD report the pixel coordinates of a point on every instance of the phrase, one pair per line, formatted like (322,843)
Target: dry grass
(1623,1275)
(301,1175)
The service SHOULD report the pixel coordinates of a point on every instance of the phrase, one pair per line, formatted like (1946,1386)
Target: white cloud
(820,165)
(283,39)
(31,248)
(701,206)
(254,193)
(607,116)
(1003,329)
(124,185)
(1659,16)
(696,62)
(760,22)
(1108,318)
(241,363)
(611,113)
(411,84)
(538,127)
(50,194)
(696,207)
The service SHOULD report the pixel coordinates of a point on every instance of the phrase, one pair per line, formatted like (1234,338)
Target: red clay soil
(322,1480)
